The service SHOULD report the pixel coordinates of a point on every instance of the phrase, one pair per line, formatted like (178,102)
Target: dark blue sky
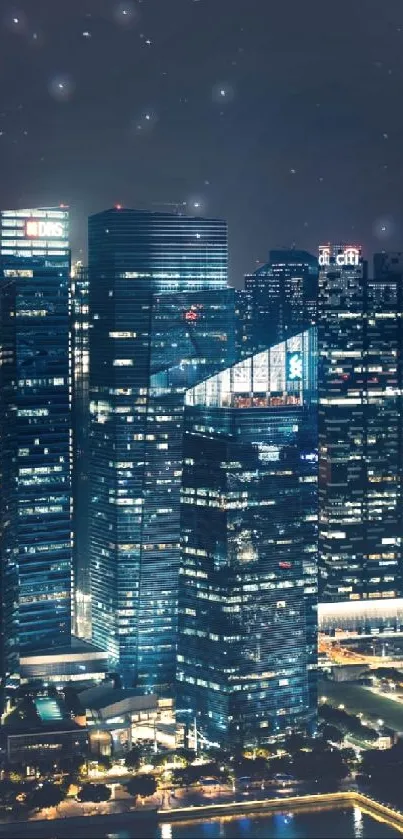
(285,118)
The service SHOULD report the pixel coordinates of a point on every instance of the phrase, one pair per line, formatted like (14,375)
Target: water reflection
(358,823)
(349,823)
(321,823)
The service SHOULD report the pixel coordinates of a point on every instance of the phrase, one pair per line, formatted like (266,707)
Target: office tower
(8,493)
(284,296)
(360,461)
(80,385)
(248,584)
(161,319)
(243,323)
(34,278)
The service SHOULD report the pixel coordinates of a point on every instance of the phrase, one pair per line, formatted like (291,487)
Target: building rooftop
(104,696)
(69,652)
(282,375)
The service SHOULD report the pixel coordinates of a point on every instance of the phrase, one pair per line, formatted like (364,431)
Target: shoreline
(66,825)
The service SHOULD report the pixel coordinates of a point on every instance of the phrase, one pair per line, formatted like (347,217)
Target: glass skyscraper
(34,285)
(248,584)
(8,491)
(244,322)
(161,319)
(280,299)
(80,402)
(360,428)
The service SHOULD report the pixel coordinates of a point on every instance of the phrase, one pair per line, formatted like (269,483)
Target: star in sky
(242,102)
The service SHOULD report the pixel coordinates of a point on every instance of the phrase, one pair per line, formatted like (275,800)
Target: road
(339,654)
(357,699)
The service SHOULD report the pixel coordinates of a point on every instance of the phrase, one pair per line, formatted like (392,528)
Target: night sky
(283,116)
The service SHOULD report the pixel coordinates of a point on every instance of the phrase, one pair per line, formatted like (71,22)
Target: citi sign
(348,256)
(44,229)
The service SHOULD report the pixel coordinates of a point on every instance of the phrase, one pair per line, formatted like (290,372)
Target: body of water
(343,823)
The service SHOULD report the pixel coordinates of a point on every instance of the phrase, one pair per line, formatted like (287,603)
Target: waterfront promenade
(321,801)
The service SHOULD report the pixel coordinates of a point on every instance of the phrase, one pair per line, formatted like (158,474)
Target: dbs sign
(44,229)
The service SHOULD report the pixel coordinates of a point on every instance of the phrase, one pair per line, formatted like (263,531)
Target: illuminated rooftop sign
(35,229)
(341,255)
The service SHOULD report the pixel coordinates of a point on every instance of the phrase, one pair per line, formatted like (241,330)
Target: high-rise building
(8,492)
(243,323)
(248,586)
(34,287)
(284,298)
(81,418)
(360,429)
(161,319)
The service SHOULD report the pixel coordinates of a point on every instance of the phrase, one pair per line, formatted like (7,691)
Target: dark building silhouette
(279,300)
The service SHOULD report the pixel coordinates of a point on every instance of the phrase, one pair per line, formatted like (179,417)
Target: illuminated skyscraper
(248,585)
(360,429)
(244,311)
(36,420)
(80,384)
(8,491)
(161,319)
(282,296)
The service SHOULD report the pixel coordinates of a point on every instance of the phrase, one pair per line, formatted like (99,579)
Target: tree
(48,795)
(104,763)
(321,764)
(348,755)
(95,793)
(17,774)
(187,755)
(332,734)
(347,722)
(8,791)
(45,765)
(253,768)
(385,769)
(143,785)
(68,781)
(133,758)
(161,760)
(294,743)
(389,673)
(72,764)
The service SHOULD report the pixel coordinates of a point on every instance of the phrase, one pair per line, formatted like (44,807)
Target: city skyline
(201,418)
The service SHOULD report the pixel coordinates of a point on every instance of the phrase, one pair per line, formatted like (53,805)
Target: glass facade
(8,491)
(161,319)
(360,429)
(280,299)
(35,266)
(80,403)
(248,582)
